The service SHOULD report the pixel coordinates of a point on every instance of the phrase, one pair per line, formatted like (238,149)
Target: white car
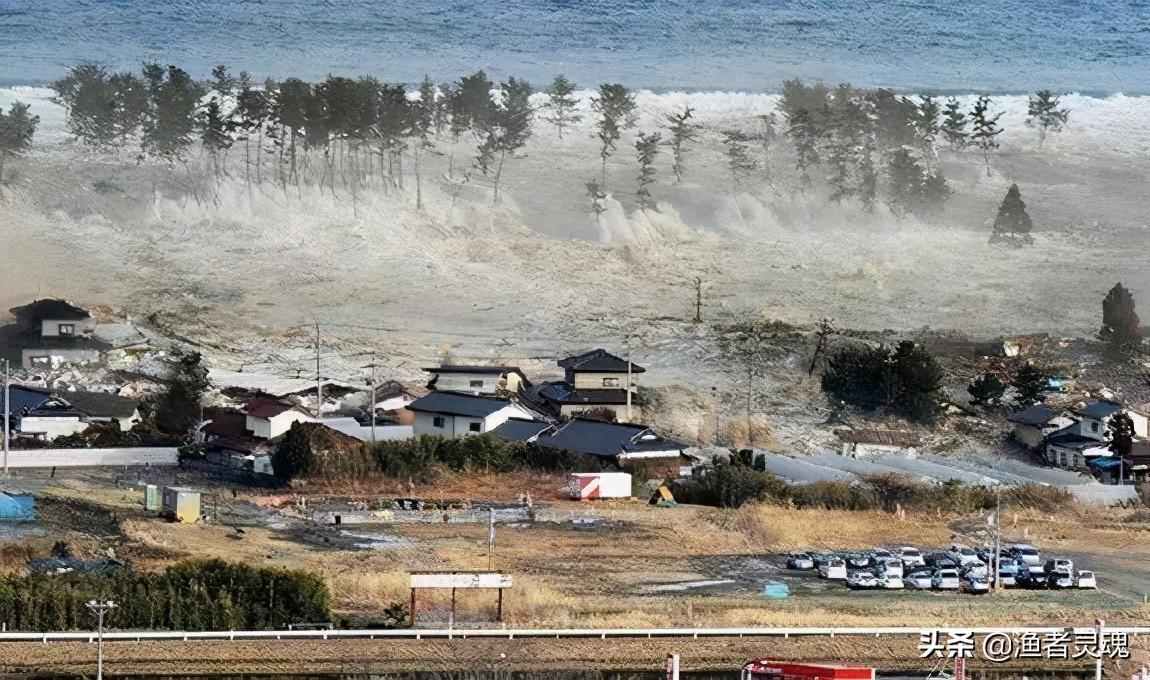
(973,583)
(859,580)
(891,566)
(1061,579)
(1026,554)
(1007,577)
(891,582)
(911,557)
(921,580)
(945,579)
(963,555)
(1086,580)
(834,569)
(1058,564)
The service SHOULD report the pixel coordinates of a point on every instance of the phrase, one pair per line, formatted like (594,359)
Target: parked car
(860,580)
(834,569)
(1086,579)
(1061,578)
(1058,564)
(821,558)
(963,555)
(1025,553)
(801,560)
(921,580)
(891,566)
(945,579)
(911,557)
(891,582)
(972,582)
(858,560)
(940,560)
(881,554)
(1029,578)
(1008,577)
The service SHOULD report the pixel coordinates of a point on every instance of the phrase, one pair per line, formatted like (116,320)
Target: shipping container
(592,485)
(181,504)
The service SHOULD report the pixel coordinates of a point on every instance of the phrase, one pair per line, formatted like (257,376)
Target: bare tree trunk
(498,174)
(418,182)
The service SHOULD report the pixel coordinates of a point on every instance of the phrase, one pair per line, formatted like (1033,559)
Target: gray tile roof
(100,405)
(1101,409)
(456,404)
(519,430)
(600,361)
(1033,415)
(606,440)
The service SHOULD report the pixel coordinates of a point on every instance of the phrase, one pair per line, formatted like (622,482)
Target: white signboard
(460,581)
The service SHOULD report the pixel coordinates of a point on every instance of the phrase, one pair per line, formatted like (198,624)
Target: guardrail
(511,634)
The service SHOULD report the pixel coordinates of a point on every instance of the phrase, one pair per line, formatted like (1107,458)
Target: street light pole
(100,609)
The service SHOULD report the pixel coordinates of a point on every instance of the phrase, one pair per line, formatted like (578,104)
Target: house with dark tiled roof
(617,442)
(51,333)
(593,381)
(453,414)
(1033,424)
(64,413)
(1095,420)
(521,429)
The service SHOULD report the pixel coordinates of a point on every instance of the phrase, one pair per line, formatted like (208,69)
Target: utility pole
(627,347)
(318,379)
(7,410)
(100,609)
(996,562)
(371,400)
(698,299)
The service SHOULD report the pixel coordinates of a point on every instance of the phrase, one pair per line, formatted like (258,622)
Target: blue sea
(1094,47)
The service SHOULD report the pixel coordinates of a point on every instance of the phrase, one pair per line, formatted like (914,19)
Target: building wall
(50,328)
(59,357)
(595,381)
(572,410)
(1028,435)
(52,426)
(1069,459)
(460,426)
(1096,429)
(488,383)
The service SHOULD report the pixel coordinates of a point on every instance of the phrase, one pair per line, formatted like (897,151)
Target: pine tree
(985,130)
(17,127)
(646,148)
(615,106)
(1043,113)
(847,125)
(1030,382)
(1121,433)
(927,127)
(768,133)
(214,131)
(423,116)
(905,179)
(293,457)
(89,101)
(561,104)
(171,118)
(680,131)
(510,128)
(1120,323)
(986,389)
(802,131)
(954,124)
(252,110)
(868,176)
(1012,222)
(740,160)
(179,407)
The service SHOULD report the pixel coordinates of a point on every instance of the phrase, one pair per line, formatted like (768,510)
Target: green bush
(193,595)
(729,485)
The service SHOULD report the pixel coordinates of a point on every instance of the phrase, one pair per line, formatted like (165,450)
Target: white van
(946,579)
(834,569)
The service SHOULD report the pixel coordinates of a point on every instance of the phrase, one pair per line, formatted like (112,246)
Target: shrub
(833,495)
(729,485)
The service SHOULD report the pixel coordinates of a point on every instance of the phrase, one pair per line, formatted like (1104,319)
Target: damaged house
(53,333)
(479,380)
(1032,425)
(67,413)
(594,381)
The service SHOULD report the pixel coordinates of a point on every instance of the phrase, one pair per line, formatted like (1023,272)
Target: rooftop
(562,392)
(520,430)
(459,368)
(1101,409)
(266,409)
(457,404)
(1033,415)
(100,404)
(607,440)
(600,361)
(52,309)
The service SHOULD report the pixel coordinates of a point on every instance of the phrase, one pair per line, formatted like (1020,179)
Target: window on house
(610,382)
(438,421)
(476,384)
(474,427)
(67,329)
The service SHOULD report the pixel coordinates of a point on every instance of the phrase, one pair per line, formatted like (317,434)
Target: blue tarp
(1103,463)
(17,507)
(776,590)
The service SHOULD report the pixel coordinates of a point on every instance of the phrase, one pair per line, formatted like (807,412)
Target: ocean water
(1097,47)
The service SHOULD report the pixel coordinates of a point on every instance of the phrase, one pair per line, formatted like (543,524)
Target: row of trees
(904,380)
(193,595)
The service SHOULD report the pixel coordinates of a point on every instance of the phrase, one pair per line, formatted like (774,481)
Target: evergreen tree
(896,119)
(179,407)
(214,131)
(475,107)
(847,124)
(252,112)
(986,389)
(680,131)
(289,111)
(1120,430)
(17,127)
(293,456)
(985,130)
(615,106)
(905,380)
(740,160)
(954,123)
(1012,222)
(927,127)
(89,101)
(171,117)
(802,131)
(510,128)
(905,180)
(1043,113)
(1030,382)
(423,116)
(646,148)
(393,118)
(561,104)
(598,198)
(868,176)
(1120,323)
(768,133)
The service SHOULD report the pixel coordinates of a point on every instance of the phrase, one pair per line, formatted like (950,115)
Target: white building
(268,420)
(67,413)
(1095,421)
(450,414)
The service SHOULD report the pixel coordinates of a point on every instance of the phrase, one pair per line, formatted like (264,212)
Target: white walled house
(451,414)
(268,420)
(1032,425)
(1096,420)
(489,380)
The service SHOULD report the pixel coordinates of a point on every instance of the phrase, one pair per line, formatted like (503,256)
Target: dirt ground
(614,564)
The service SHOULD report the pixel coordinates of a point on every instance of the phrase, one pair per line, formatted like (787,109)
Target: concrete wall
(50,328)
(48,458)
(52,426)
(270,428)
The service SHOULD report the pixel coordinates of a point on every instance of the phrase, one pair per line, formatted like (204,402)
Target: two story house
(594,381)
(52,333)
(488,380)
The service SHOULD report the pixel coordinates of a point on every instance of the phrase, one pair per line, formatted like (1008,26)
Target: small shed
(151,497)
(593,485)
(181,504)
